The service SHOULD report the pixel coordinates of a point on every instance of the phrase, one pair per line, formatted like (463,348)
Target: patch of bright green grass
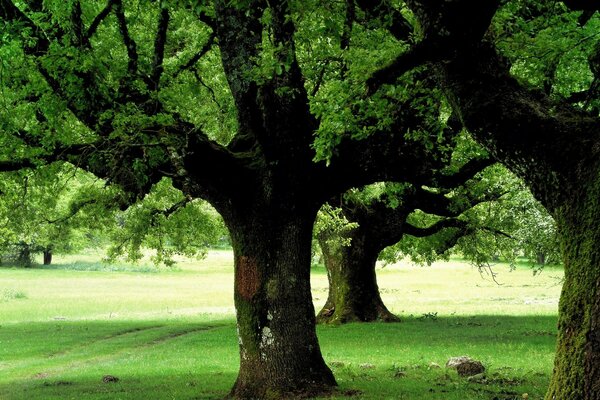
(171,335)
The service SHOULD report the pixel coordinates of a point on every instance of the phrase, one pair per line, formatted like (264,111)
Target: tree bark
(279,351)
(353,290)
(577,362)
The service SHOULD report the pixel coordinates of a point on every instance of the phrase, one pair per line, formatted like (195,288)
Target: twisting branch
(192,62)
(73,211)
(132,65)
(427,51)
(159,48)
(99,18)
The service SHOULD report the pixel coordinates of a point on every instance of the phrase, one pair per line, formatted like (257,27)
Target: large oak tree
(225,99)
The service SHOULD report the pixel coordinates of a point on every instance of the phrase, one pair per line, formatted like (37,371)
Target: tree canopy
(268,109)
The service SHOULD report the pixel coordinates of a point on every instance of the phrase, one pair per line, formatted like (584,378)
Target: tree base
(336,316)
(252,391)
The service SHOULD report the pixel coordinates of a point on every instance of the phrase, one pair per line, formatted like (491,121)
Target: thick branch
(465,173)
(80,39)
(159,48)
(132,65)
(427,51)
(14,165)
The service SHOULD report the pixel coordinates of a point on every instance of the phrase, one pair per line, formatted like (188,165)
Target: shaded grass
(65,359)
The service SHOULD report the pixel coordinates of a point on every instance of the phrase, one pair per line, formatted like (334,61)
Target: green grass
(171,334)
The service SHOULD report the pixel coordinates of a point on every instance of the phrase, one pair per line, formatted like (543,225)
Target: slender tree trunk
(353,290)
(279,352)
(47,256)
(576,373)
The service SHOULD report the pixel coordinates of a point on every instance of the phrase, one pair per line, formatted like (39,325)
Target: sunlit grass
(171,334)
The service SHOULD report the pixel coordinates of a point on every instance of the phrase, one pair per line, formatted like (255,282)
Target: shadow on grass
(159,359)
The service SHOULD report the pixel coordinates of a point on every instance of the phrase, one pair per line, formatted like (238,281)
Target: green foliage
(57,208)
(547,47)
(169,224)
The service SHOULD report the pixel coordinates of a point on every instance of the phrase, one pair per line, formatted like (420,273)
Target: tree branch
(132,65)
(412,230)
(465,173)
(99,18)
(426,51)
(74,208)
(14,165)
(159,48)
(192,61)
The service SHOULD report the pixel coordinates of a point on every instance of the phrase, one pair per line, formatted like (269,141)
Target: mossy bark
(353,290)
(279,351)
(576,373)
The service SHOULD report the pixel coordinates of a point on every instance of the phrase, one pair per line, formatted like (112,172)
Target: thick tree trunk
(353,291)
(279,352)
(576,373)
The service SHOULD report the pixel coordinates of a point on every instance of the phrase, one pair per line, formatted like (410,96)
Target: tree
(545,130)
(482,216)
(55,209)
(91,84)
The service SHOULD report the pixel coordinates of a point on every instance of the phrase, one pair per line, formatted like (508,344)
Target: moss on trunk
(577,364)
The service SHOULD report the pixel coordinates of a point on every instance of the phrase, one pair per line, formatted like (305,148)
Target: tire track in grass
(69,360)
(108,337)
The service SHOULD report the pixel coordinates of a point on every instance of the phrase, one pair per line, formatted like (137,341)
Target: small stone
(525,396)
(434,365)
(367,366)
(109,379)
(465,366)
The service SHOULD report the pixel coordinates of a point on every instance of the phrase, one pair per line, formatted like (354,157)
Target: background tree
(56,209)
(484,216)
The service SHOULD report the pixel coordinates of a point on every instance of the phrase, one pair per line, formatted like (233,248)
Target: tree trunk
(576,373)
(279,352)
(24,255)
(353,291)
(47,256)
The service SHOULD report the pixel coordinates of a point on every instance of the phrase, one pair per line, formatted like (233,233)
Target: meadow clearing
(170,333)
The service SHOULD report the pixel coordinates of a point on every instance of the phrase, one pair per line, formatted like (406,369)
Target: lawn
(170,333)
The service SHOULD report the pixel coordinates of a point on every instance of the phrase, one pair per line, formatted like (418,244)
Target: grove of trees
(269,109)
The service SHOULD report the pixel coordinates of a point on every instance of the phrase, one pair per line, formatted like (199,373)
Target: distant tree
(55,209)
(423,223)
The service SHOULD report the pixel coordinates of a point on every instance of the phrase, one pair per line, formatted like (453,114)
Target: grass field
(170,334)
